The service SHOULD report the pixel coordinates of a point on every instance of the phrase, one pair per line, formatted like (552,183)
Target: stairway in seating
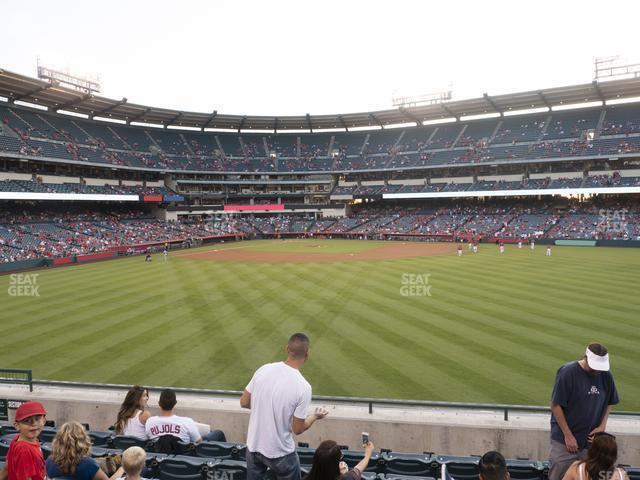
(79,127)
(114,133)
(189,149)
(596,133)
(7,131)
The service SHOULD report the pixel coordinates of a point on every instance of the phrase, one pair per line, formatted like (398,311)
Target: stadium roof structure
(17,87)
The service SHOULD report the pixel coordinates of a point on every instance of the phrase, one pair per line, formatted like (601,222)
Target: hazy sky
(294,57)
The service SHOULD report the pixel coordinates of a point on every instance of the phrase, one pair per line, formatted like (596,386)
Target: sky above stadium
(295,57)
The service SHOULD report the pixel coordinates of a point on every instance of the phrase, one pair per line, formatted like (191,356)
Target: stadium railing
(506,409)
(16,376)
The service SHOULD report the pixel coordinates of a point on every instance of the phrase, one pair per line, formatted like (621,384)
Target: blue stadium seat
(47,434)
(7,430)
(101,439)
(222,450)
(406,464)
(123,442)
(185,468)
(525,469)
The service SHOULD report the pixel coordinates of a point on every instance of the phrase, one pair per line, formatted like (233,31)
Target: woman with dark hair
(134,413)
(328,464)
(600,462)
(70,456)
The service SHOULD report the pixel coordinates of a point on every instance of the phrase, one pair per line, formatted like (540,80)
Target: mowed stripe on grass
(495,328)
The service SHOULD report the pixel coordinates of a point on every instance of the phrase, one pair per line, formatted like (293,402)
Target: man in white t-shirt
(168,423)
(278,396)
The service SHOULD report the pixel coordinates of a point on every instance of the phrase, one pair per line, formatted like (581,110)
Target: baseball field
(386,319)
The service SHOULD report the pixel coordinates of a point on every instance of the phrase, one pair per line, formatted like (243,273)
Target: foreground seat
(222,450)
(406,464)
(460,468)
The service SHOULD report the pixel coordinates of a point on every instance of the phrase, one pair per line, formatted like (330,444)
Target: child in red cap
(24,459)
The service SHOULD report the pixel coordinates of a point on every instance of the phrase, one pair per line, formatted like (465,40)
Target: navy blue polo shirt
(584,398)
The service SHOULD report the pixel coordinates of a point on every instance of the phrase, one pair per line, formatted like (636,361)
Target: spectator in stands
(134,413)
(600,462)
(70,456)
(278,396)
(168,424)
(24,459)
(328,464)
(133,461)
(493,466)
(582,397)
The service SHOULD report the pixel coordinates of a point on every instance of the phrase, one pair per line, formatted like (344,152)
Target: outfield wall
(401,428)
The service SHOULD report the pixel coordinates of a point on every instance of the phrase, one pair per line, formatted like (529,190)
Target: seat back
(123,442)
(222,450)
(185,468)
(406,464)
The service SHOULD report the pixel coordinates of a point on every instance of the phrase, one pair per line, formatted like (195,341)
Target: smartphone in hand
(365,438)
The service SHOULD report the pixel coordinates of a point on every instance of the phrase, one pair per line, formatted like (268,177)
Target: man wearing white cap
(580,404)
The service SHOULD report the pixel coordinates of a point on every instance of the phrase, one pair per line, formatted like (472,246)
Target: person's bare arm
(245,400)
(4,474)
(144,416)
(300,425)
(569,440)
(368,451)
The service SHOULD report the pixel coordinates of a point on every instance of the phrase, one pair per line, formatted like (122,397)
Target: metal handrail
(369,401)
(20,381)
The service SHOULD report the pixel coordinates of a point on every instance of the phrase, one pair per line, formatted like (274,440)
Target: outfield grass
(494,329)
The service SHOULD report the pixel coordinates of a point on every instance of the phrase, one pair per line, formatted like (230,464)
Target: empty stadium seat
(185,468)
(525,469)
(47,434)
(123,442)
(7,429)
(222,450)
(101,439)
(406,464)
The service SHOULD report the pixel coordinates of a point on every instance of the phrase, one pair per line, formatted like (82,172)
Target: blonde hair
(70,445)
(133,460)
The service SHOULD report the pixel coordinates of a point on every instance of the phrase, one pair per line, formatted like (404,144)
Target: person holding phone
(328,462)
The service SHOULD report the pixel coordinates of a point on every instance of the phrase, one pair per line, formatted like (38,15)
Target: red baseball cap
(29,409)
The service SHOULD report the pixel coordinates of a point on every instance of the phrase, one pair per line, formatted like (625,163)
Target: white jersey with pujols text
(182,427)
